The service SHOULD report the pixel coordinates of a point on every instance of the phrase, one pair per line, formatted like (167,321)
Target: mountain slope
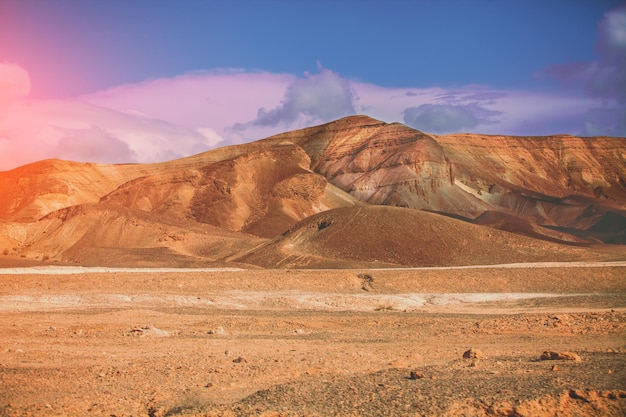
(557,181)
(385,164)
(76,213)
(558,189)
(381,236)
(98,234)
(262,192)
(32,191)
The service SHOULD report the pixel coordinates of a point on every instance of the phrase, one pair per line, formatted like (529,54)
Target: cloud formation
(447,118)
(202,98)
(604,79)
(317,98)
(94,144)
(210,102)
(166,118)
(33,130)
(451,111)
(14,84)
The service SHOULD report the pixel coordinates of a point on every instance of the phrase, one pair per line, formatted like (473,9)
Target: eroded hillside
(557,181)
(560,189)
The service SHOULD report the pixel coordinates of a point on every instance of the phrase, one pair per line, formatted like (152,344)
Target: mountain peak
(357,120)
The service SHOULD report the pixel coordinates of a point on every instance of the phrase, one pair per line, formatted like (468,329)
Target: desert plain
(253,342)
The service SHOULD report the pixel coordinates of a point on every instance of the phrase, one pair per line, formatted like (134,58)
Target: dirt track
(261,342)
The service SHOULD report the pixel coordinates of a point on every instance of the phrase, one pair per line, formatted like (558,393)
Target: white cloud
(94,144)
(613,28)
(317,98)
(34,130)
(604,79)
(212,99)
(14,84)
(447,118)
(212,137)
(166,118)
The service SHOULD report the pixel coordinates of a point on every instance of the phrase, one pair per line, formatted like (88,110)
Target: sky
(119,81)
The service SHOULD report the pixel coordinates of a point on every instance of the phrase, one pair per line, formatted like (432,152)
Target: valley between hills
(356,268)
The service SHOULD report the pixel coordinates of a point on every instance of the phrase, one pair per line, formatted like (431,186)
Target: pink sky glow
(167,118)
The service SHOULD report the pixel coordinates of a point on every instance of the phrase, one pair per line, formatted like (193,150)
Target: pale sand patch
(68,270)
(258,300)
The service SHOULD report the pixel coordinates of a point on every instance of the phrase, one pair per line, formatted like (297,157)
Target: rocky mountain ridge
(559,189)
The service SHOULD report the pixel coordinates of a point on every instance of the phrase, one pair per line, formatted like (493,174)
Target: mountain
(261,192)
(383,236)
(248,203)
(556,181)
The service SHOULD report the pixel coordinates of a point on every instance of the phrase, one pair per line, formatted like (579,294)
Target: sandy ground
(155,342)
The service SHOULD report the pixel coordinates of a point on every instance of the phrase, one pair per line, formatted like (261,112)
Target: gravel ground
(143,344)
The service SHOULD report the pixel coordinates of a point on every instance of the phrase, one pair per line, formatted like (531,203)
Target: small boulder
(144,331)
(416,375)
(217,330)
(474,354)
(550,355)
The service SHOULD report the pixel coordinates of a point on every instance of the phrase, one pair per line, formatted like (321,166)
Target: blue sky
(202,74)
